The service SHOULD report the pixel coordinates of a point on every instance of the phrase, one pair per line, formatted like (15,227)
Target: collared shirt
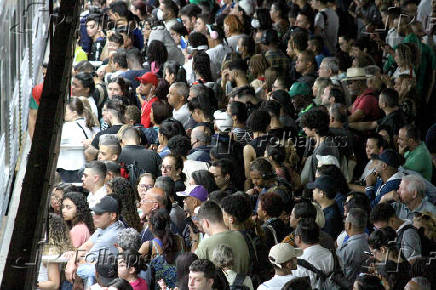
(319,257)
(403,212)
(350,255)
(105,239)
(95,197)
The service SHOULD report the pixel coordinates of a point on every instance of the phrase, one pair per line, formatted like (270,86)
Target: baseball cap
(283,252)
(148,78)
(106,204)
(388,156)
(325,183)
(299,88)
(197,191)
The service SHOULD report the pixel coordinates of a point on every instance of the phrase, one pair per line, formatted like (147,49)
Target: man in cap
(284,259)
(324,193)
(107,224)
(383,183)
(195,195)
(145,95)
(301,97)
(365,107)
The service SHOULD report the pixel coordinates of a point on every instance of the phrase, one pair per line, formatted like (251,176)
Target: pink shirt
(139,284)
(79,235)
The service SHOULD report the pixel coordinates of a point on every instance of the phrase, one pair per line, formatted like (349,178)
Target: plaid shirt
(278,60)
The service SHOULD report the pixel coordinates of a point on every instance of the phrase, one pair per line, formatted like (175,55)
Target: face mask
(255,23)
(159,14)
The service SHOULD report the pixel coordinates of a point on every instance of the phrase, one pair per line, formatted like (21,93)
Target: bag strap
(309,266)
(83,130)
(239,280)
(274,233)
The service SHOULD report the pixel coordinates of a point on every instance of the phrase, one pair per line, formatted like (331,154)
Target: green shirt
(419,160)
(233,239)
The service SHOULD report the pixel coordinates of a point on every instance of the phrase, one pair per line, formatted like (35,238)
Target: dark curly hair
(83,213)
(272,204)
(127,196)
(156,51)
(201,65)
(160,227)
(162,90)
(237,205)
(179,145)
(316,119)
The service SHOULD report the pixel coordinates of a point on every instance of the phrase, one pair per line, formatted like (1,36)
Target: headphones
(190,49)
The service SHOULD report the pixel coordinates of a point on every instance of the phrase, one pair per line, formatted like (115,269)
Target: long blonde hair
(59,240)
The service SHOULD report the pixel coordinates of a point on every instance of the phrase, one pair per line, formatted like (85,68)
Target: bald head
(200,136)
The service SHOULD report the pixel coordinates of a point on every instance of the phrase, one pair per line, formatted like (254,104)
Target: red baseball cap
(148,78)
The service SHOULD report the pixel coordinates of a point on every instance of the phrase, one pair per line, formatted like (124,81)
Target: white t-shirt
(319,257)
(71,151)
(182,115)
(277,282)
(95,197)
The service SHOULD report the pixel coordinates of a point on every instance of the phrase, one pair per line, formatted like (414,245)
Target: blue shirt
(333,221)
(105,239)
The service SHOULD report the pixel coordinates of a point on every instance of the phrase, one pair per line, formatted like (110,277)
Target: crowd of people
(247,144)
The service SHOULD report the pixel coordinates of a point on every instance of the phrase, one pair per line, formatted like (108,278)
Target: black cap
(106,204)
(325,183)
(388,156)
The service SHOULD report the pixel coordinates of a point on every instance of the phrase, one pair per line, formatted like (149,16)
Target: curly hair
(201,65)
(156,51)
(126,194)
(129,239)
(272,204)
(59,240)
(179,145)
(160,227)
(316,119)
(237,205)
(234,24)
(83,213)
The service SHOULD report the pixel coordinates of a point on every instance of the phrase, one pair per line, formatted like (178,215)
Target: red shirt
(139,284)
(145,112)
(368,104)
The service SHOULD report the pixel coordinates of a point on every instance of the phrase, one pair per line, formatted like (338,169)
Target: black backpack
(260,268)
(333,281)
(238,284)
(134,173)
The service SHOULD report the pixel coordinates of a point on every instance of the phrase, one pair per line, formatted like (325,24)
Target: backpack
(426,245)
(238,284)
(134,172)
(260,268)
(333,281)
